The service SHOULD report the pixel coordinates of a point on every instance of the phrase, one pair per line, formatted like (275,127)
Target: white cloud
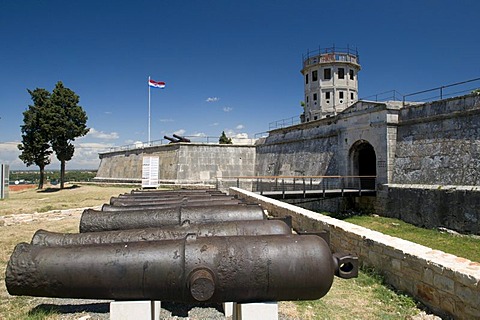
(85,156)
(102,135)
(180,132)
(212,99)
(9,155)
(227,109)
(199,134)
(239,127)
(166,120)
(233,134)
(214,124)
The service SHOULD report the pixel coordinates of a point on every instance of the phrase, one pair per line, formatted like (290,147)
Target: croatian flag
(156,84)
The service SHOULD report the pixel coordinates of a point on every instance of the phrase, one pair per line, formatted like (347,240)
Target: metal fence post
(303,187)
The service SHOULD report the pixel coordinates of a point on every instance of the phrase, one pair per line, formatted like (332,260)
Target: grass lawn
(460,245)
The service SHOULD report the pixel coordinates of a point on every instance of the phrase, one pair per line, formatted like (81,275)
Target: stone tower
(330,81)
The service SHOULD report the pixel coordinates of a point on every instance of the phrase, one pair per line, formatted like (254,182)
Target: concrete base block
(228,308)
(138,310)
(253,311)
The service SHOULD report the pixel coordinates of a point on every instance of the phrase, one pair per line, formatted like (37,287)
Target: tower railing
(332,54)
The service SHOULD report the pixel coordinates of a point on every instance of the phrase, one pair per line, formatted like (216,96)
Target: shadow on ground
(71,308)
(182,309)
(50,190)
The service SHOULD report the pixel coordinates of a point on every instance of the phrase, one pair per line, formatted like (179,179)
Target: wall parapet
(447,284)
(430,206)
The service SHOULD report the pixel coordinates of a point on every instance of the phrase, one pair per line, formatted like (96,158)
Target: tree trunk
(62,173)
(42,173)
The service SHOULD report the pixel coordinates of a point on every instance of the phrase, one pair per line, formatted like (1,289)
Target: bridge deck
(333,193)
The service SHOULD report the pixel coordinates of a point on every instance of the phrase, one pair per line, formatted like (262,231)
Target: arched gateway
(363,162)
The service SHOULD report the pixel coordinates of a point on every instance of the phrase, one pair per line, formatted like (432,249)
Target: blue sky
(230,66)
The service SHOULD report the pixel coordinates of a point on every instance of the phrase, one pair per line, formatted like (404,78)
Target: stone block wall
(439,143)
(447,284)
(299,150)
(181,162)
(433,206)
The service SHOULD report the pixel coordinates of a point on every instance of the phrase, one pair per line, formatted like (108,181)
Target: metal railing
(391,95)
(331,54)
(193,139)
(284,123)
(304,184)
(443,92)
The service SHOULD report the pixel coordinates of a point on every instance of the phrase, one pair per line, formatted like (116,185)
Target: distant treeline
(52,176)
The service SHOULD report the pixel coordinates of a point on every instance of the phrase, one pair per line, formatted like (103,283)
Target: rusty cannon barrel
(94,221)
(172,192)
(208,269)
(115,201)
(229,203)
(229,228)
(168,195)
(172,140)
(180,138)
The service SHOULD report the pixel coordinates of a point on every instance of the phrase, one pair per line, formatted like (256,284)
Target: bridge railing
(284,184)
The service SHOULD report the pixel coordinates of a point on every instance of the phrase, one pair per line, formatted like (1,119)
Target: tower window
(340,94)
(314,97)
(314,75)
(306,78)
(327,74)
(341,73)
(351,74)
(352,96)
(307,99)
(327,95)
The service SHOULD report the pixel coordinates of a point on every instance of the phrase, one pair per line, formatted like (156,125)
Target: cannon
(115,201)
(94,220)
(228,228)
(167,195)
(172,140)
(177,191)
(184,204)
(181,139)
(190,270)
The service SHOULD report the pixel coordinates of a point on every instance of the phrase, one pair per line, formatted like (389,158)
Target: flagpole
(148,110)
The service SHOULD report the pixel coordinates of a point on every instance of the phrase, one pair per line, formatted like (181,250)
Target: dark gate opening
(365,163)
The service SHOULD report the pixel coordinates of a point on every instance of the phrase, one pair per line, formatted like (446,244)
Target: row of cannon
(186,246)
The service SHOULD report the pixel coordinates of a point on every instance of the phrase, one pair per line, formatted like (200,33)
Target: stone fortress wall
(180,163)
(427,157)
(436,172)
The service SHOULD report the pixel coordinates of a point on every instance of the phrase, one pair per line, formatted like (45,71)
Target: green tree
(35,145)
(224,139)
(68,121)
